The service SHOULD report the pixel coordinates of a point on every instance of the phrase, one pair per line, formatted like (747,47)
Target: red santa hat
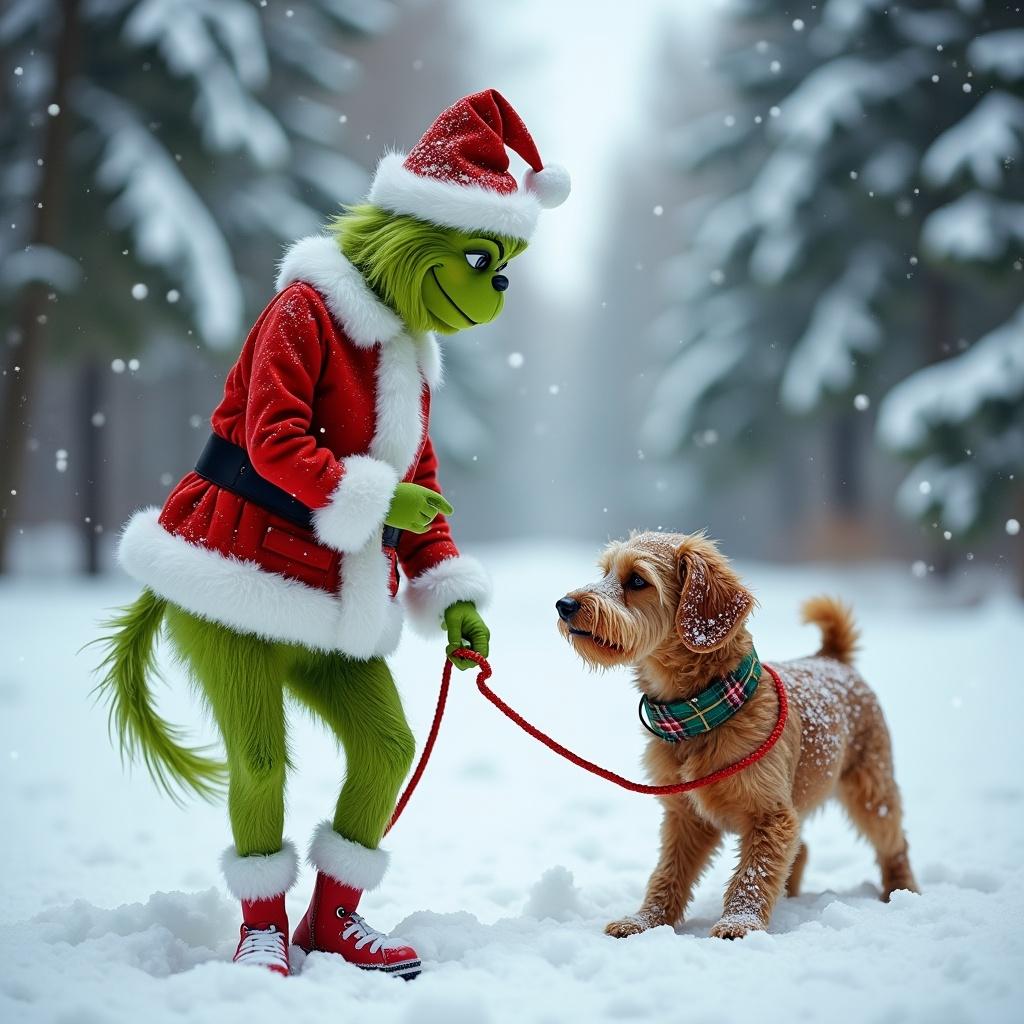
(457,174)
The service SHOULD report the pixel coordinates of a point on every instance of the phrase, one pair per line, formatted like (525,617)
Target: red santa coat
(330,397)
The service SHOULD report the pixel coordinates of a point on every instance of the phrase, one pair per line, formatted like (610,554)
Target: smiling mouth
(451,301)
(596,640)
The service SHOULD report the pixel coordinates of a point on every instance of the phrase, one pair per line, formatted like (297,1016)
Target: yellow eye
(478,260)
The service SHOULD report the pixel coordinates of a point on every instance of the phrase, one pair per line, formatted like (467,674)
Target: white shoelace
(363,933)
(262,946)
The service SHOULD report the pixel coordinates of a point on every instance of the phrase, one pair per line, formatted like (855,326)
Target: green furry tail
(127,669)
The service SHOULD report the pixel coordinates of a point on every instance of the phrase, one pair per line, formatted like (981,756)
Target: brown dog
(671,606)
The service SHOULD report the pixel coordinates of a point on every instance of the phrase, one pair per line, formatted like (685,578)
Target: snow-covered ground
(508,862)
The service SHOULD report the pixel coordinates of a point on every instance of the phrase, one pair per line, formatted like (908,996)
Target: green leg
(359,701)
(241,677)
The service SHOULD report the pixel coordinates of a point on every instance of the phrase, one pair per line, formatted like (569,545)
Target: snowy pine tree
(156,154)
(861,175)
(962,419)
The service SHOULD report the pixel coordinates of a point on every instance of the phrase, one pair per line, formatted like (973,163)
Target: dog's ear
(712,605)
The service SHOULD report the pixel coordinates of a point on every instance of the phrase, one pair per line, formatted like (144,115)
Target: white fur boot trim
(260,876)
(345,861)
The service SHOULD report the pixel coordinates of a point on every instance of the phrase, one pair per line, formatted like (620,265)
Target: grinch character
(273,568)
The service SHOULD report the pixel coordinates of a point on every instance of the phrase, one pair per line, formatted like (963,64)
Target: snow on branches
(863,200)
(963,419)
(843,326)
(954,391)
(171,226)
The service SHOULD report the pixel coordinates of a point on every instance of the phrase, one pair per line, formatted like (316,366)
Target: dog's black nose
(499,282)
(567,608)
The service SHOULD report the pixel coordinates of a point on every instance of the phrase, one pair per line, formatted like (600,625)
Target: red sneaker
(331,924)
(260,882)
(265,946)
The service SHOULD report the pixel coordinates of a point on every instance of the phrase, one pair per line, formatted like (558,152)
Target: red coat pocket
(299,556)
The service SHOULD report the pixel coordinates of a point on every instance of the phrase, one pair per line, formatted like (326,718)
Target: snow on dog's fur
(671,606)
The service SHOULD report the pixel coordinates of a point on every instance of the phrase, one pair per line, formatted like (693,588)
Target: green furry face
(436,279)
(467,286)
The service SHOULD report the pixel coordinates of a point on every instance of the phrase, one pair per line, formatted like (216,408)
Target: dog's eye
(478,260)
(636,582)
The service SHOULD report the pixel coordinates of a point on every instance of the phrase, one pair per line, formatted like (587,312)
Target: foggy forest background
(784,301)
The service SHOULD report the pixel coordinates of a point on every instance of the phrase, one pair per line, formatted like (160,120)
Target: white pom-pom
(550,185)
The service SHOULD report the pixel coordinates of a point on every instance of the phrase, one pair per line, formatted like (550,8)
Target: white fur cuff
(358,505)
(345,861)
(259,876)
(466,207)
(430,593)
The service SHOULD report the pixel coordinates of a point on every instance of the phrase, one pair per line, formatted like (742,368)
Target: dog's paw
(735,926)
(626,926)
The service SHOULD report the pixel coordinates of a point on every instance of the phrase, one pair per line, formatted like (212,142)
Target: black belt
(228,466)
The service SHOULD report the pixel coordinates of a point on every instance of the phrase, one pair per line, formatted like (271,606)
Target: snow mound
(168,960)
(504,878)
(555,897)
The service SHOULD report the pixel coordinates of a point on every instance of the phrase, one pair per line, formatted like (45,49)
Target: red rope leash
(553,745)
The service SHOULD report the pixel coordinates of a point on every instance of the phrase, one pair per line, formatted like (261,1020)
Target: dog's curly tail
(127,668)
(839,634)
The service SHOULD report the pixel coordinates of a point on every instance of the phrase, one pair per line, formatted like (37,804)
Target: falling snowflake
(1012,527)
(515,360)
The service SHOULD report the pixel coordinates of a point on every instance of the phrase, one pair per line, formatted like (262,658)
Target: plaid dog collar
(684,719)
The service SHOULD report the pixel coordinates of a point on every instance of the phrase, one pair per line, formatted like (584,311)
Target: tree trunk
(26,355)
(1019,541)
(90,490)
(847,483)
(939,343)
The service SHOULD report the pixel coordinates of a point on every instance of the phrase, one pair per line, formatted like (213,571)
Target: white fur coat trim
(260,876)
(430,593)
(363,623)
(366,320)
(346,861)
(467,207)
(357,507)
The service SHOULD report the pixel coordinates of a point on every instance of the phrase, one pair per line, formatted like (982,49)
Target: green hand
(414,508)
(465,629)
